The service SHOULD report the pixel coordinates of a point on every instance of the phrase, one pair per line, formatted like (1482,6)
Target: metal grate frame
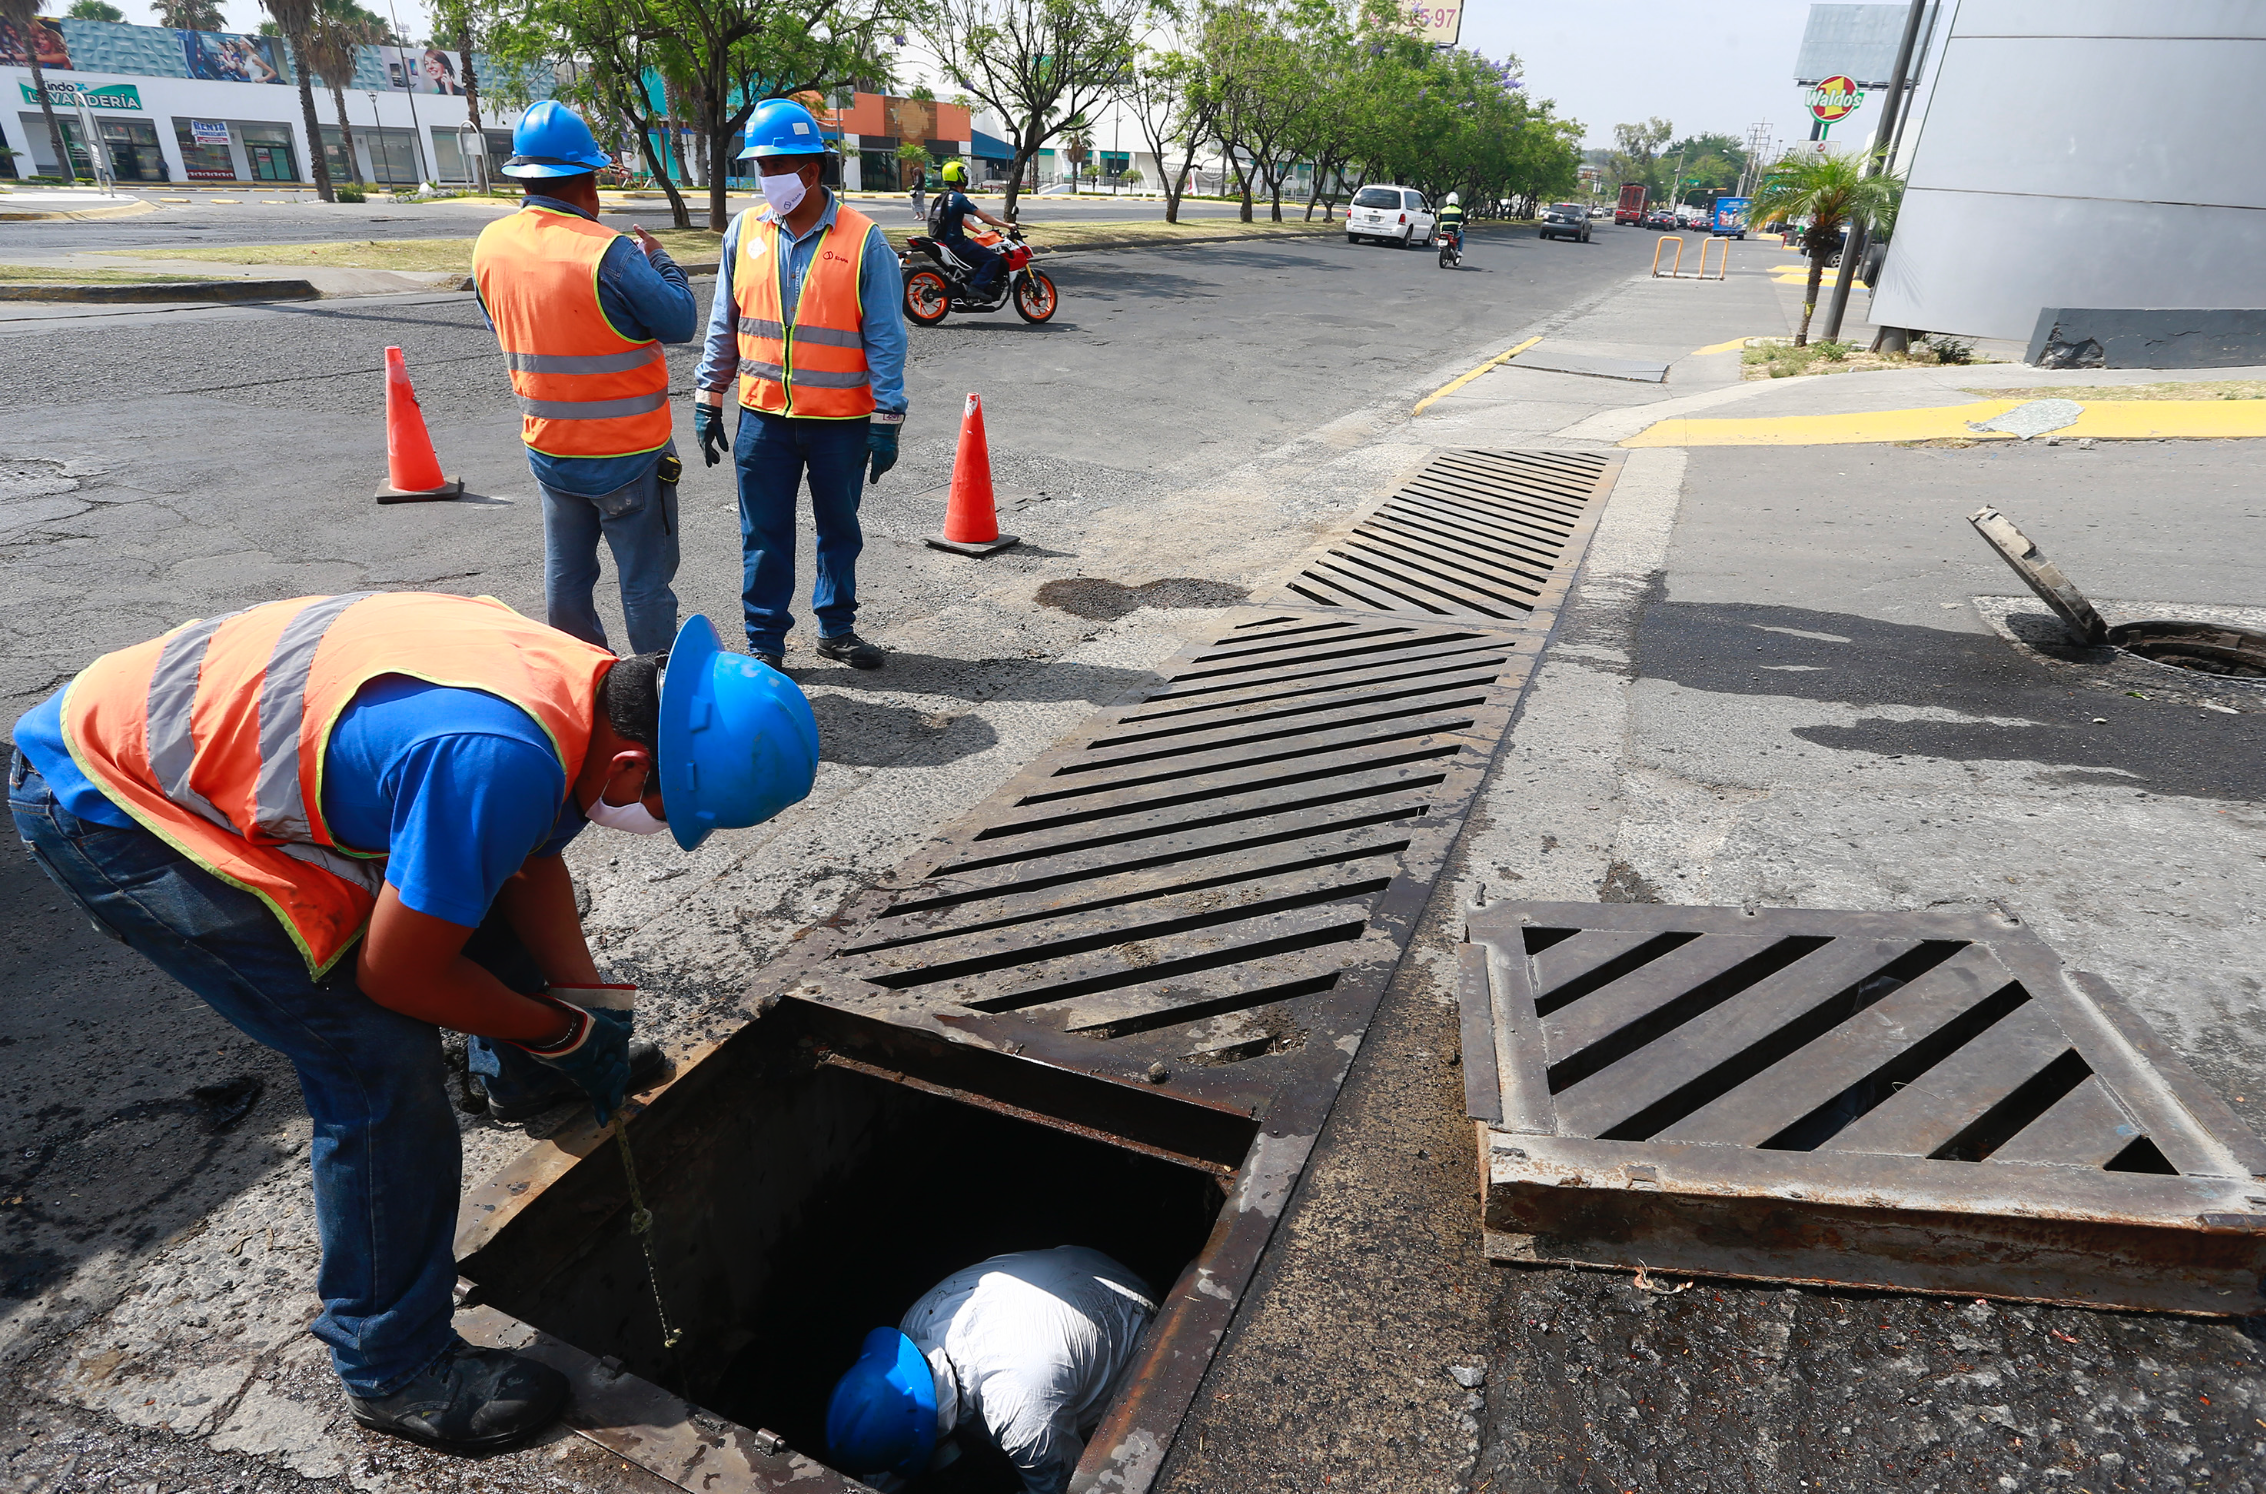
(1201,894)
(1918,1101)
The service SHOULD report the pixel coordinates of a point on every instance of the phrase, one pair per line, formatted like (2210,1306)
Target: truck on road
(1730,217)
(1631,206)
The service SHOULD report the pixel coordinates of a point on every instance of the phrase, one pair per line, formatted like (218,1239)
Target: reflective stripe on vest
(812,365)
(215,736)
(584,389)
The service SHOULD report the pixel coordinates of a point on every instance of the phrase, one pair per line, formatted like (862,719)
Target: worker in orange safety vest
(338,820)
(582,313)
(808,322)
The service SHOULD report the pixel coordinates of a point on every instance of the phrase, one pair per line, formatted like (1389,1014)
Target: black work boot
(776,661)
(850,649)
(469,1401)
(648,1065)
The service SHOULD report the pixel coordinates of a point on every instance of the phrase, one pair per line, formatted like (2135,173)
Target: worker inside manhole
(1055,1228)
(800,1206)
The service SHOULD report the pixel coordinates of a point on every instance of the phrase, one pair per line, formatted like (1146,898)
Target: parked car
(1389,215)
(1564,220)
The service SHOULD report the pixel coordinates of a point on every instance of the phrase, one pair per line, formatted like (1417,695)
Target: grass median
(65,275)
(695,246)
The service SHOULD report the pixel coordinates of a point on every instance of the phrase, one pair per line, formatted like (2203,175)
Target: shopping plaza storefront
(201,106)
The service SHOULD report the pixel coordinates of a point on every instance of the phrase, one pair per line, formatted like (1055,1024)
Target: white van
(1389,215)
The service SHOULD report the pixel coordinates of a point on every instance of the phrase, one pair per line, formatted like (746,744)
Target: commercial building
(2083,154)
(201,106)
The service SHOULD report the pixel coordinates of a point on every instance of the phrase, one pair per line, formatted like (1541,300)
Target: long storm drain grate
(1915,1101)
(1142,967)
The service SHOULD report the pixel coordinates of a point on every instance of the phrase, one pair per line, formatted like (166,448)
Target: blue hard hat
(782,127)
(551,140)
(882,1418)
(738,740)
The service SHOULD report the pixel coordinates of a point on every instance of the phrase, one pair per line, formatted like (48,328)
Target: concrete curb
(123,210)
(167,291)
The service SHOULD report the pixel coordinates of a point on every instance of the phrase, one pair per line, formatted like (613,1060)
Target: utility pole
(1854,249)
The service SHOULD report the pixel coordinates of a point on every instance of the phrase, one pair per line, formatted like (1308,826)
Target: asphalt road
(162,466)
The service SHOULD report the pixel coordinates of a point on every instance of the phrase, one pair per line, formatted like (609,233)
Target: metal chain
(641,1225)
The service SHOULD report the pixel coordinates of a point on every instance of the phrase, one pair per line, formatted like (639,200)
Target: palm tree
(1077,145)
(189,15)
(94,10)
(340,29)
(21,17)
(1830,192)
(297,19)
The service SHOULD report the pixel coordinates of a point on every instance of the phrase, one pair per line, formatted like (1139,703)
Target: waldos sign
(70,95)
(1835,99)
(1439,22)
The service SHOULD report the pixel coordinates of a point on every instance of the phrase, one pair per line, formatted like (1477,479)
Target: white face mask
(784,191)
(632,818)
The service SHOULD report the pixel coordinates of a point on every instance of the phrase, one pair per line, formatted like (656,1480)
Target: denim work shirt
(881,294)
(643,299)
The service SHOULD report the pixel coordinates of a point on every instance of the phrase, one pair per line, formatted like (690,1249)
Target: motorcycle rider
(1451,221)
(947,219)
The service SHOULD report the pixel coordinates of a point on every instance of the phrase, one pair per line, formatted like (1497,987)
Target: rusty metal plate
(1918,1101)
(1476,535)
(2041,575)
(1198,898)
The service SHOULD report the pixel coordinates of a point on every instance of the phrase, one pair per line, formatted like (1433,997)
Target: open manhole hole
(2219,649)
(809,1180)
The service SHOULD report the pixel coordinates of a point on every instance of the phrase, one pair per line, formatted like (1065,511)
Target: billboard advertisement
(420,69)
(227,57)
(47,38)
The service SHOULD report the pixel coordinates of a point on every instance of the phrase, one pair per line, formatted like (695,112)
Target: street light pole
(1854,249)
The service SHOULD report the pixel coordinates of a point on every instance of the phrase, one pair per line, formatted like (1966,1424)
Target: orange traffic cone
(971,517)
(413,472)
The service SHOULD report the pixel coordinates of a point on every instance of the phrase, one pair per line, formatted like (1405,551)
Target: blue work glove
(708,425)
(881,448)
(594,1054)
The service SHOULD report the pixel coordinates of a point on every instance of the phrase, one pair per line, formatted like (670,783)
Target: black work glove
(708,426)
(594,1054)
(881,448)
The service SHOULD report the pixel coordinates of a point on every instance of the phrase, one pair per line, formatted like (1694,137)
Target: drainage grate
(1477,534)
(1197,899)
(1925,1101)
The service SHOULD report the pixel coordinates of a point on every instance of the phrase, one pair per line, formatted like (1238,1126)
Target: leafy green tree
(1173,100)
(1037,64)
(1825,190)
(1636,152)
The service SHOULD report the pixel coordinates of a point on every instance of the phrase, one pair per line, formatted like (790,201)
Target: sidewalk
(1786,679)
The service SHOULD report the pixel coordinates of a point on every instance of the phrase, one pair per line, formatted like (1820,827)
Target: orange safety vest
(585,389)
(813,366)
(214,736)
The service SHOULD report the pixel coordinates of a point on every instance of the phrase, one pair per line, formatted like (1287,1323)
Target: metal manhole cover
(1917,1101)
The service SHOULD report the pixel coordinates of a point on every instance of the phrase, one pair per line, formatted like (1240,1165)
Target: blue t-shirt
(457,787)
(952,209)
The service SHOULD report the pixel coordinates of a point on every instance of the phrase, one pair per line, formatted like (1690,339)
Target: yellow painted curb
(1454,384)
(2103,420)
(1733,346)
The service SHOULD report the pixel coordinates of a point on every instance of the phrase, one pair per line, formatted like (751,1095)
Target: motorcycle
(1451,250)
(938,282)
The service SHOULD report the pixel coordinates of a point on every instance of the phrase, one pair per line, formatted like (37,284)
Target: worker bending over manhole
(1011,1362)
(246,798)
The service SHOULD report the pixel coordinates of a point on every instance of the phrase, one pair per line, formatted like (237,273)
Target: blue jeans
(385,1156)
(771,453)
(639,524)
(988,262)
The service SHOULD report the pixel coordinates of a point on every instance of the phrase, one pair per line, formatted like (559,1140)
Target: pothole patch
(1099,600)
(29,477)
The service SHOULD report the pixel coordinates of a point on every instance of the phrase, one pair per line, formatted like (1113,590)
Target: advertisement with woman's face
(47,38)
(226,57)
(421,69)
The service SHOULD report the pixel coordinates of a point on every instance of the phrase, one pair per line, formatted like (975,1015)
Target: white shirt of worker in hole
(1029,1349)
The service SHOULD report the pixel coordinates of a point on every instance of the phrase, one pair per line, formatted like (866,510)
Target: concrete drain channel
(1139,972)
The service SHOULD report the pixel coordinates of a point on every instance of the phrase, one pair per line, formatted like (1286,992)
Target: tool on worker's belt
(641,1225)
(672,468)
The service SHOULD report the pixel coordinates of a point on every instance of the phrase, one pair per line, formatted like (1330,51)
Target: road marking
(1452,386)
(1732,346)
(2105,420)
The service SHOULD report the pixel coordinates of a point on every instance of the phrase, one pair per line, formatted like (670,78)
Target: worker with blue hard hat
(808,329)
(339,820)
(581,313)
(1018,1356)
